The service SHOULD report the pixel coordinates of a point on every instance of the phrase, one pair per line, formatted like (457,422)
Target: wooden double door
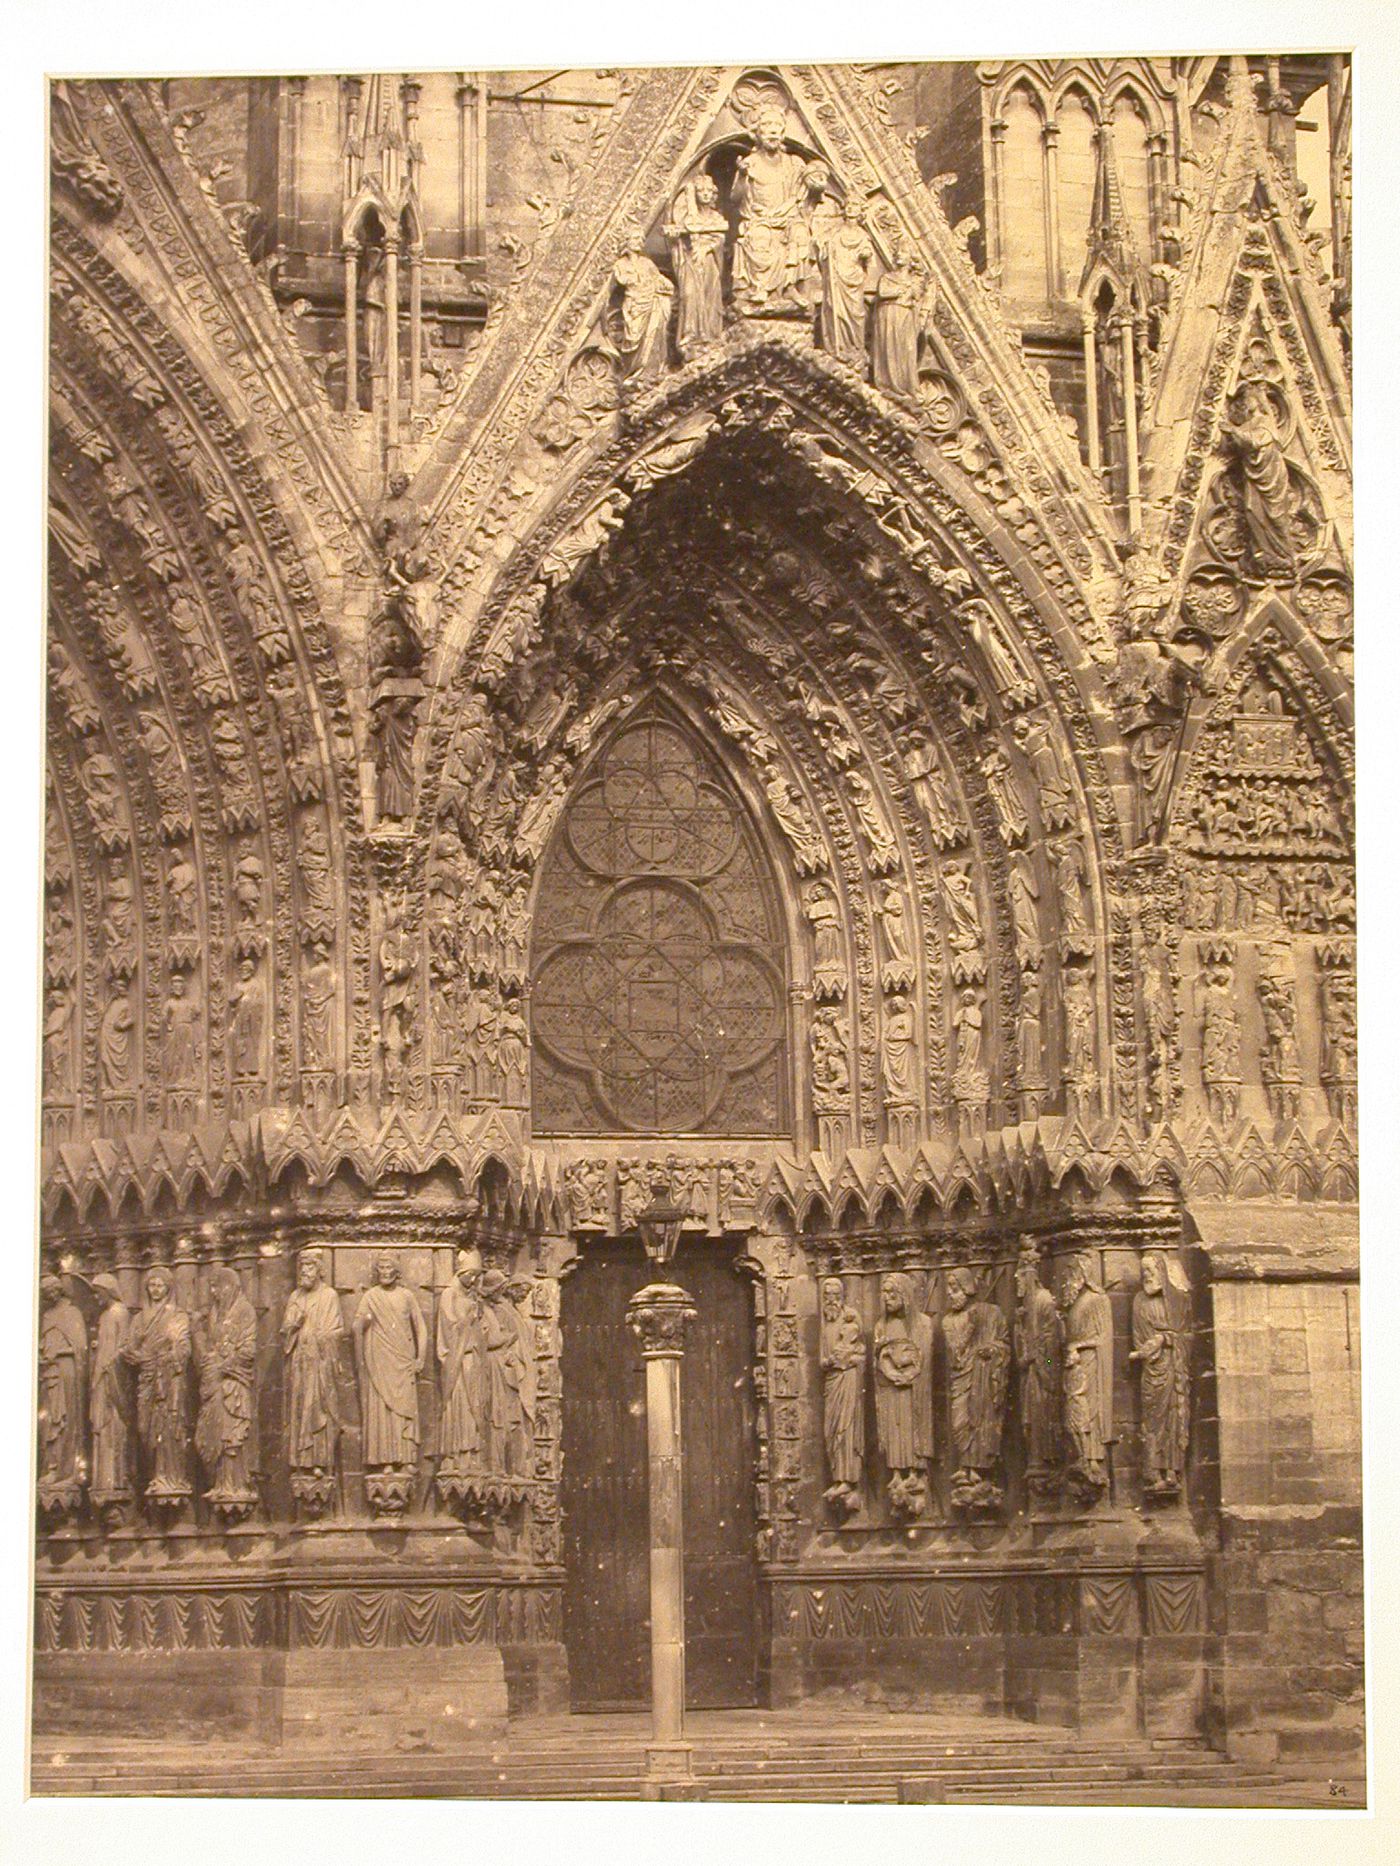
(607,1625)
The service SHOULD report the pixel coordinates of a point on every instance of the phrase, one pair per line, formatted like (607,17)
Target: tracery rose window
(657,997)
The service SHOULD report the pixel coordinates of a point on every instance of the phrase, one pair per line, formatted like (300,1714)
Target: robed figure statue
(1159,1349)
(158,1347)
(391,1342)
(772,250)
(461,1354)
(510,1381)
(312,1331)
(843,1397)
(109,1402)
(225,1435)
(697,234)
(845,260)
(1088,1377)
(1039,1345)
(978,1352)
(904,1393)
(643,317)
(63,1371)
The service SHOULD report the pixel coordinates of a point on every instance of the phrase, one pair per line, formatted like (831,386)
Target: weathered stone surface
(599,689)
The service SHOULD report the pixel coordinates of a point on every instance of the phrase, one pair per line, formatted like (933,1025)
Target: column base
(670,1774)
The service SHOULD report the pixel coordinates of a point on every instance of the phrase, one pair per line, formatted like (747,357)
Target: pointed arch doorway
(659,1014)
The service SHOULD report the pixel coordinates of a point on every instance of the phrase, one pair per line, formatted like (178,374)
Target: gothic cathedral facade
(773,640)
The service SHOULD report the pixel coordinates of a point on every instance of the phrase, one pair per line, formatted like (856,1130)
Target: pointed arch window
(658,975)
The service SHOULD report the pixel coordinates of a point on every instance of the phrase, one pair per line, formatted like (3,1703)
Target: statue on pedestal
(224,1434)
(1039,1345)
(312,1331)
(63,1369)
(979,1360)
(391,1343)
(109,1402)
(158,1347)
(461,1354)
(1088,1393)
(843,1397)
(904,1393)
(1159,1349)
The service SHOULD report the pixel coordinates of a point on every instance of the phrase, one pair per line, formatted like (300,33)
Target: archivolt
(748,575)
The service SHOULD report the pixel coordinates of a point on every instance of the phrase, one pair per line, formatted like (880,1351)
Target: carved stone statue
(395,668)
(109,1402)
(771,252)
(116,1041)
(397,528)
(1012,821)
(510,1381)
(978,1361)
(894,350)
(970,1080)
(1267,501)
(897,972)
(226,1347)
(183,1049)
(158,1347)
(391,1343)
(904,1393)
(1159,1348)
(1071,886)
(831,1071)
(461,1355)
(899,1052)
(842,1357)
(697,234)
(1088,1393)
(314,866)
(63,1373)
(845,258)
(1024,887)
(1220,1043)
(1077,987)
(312,1331)
(828,957)
(965,938)
(1054,797)
(1030,1038)
(1039,1346)
(247,1003)
(1281,1064)
(644,310)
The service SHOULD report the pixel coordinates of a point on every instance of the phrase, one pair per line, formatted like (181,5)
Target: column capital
(659,1316)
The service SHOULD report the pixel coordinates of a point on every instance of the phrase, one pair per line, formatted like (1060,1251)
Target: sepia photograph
(698,1131)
